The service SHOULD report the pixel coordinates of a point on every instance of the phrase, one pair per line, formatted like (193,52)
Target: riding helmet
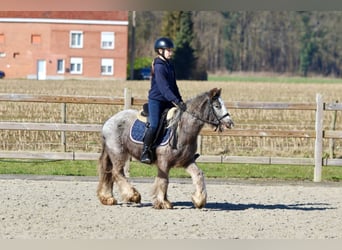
(163,43)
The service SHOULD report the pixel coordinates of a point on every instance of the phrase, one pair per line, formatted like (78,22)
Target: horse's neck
(192,120)
(190,126)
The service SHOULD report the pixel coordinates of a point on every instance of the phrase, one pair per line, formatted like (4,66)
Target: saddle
(143,114)
(139,127)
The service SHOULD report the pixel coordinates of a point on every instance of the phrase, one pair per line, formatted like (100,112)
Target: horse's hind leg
(127,191)
(199,197)
(111,169)
(105,186)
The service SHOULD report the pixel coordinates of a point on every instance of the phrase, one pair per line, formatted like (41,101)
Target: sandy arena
(52,207)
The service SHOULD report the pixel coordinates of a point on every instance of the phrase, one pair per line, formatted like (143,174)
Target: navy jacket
(163,83)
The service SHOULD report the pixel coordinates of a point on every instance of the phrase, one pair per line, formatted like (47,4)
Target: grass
(211,170)
(48,167)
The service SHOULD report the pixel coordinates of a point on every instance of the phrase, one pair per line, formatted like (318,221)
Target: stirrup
(146,157)
(146,160)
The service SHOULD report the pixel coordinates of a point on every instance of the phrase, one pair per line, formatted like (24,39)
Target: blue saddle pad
(138,130)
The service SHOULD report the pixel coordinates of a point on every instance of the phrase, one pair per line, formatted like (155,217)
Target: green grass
(211,170)
(48,167)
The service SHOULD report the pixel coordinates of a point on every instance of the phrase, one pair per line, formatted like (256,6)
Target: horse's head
(220,116)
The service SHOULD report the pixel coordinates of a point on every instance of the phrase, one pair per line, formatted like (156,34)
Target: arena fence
(127,101)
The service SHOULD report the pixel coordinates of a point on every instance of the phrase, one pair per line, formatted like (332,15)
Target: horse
(118,147)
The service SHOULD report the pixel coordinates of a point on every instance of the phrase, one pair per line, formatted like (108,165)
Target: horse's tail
(103,150)
(104,169)
(105,164)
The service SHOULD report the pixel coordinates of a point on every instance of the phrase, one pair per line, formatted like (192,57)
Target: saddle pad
(137,134)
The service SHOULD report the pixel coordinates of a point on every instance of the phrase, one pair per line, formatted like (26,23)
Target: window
(35,39)
(107,66)
(60,66)
(76,39)
(107,40)
(76,65)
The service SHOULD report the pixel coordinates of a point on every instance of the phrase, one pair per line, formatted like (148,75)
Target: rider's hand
(182,106)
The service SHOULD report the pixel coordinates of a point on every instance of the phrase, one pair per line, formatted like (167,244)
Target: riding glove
(182,106)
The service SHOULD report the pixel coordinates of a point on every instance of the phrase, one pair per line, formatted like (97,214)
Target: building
(64,44)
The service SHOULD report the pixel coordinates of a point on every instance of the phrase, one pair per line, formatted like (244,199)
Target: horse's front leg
(199,197)
(159,192)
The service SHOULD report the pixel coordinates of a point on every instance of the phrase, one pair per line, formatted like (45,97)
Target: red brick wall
(54,45)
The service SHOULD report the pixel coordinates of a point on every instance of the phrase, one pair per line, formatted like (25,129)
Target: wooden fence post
(319,139)
(128,105)
(331,140)
(199,144)
(128,98)
(64,119)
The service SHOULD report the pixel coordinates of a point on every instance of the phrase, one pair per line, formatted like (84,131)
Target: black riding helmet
(163,43)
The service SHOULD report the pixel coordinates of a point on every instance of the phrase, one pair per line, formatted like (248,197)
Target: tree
(230,29)
(184,57)
(171,24)
(259,41)
(178,26)
(308,46)
(147,32)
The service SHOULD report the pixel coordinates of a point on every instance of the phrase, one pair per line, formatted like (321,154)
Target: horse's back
(119,122)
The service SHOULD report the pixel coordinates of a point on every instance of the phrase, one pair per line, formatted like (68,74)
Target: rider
(163,94)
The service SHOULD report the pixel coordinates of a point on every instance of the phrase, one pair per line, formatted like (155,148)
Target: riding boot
(146,156)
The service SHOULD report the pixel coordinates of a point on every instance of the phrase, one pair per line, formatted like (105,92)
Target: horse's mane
(193,105)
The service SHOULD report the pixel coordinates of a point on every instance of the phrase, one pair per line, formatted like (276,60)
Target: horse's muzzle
(228,122)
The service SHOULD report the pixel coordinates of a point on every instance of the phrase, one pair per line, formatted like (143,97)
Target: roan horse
(117,147)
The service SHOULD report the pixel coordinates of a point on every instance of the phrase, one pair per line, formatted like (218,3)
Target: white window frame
(107,66)
(62,69)
(76,65)
(76,39)
(107,40)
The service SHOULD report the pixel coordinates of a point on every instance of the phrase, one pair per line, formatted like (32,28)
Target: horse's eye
(217,105)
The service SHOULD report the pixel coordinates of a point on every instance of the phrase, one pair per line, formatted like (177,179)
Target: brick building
(64,44)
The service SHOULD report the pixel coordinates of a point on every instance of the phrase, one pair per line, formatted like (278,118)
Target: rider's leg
(146,156)
(155,109)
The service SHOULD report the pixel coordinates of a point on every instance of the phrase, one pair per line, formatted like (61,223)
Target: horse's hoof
(108,201)
(136,198)
(199,201)
(162,205)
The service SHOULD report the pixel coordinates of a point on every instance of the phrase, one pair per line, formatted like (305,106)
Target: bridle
(217,123)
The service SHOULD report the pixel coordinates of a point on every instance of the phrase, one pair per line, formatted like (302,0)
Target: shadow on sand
(225,206)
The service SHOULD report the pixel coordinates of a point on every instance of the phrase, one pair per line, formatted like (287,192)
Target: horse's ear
(215,93)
